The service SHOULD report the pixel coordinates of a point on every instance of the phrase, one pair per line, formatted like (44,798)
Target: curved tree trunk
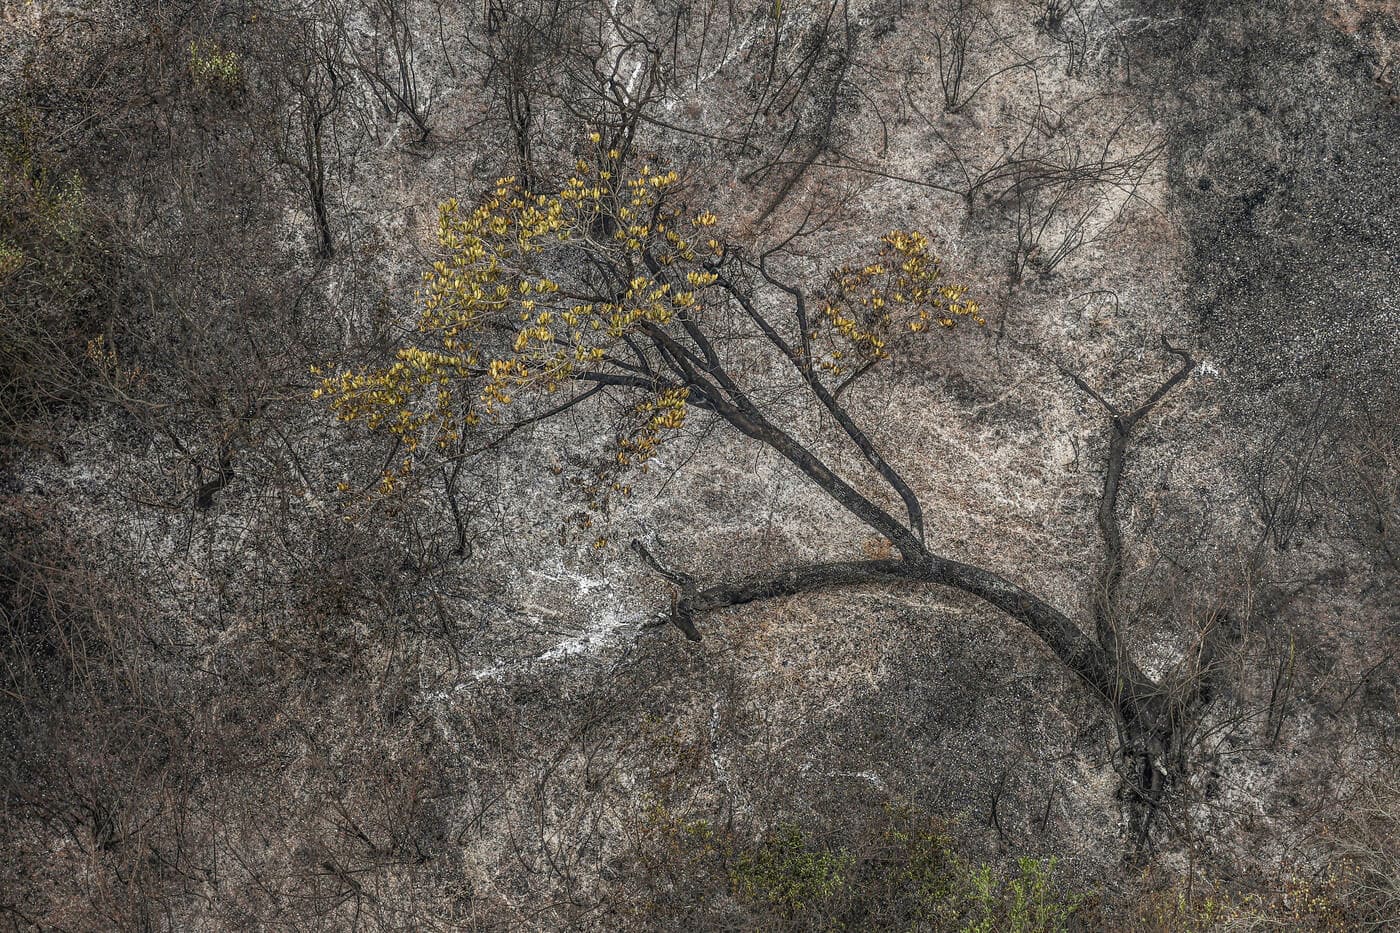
(1145,711)
(1141,707)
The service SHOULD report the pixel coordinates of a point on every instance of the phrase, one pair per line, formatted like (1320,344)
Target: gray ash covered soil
(485,737)
(1286,174)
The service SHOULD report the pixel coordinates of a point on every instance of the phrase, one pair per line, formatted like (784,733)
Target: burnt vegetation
(651,465)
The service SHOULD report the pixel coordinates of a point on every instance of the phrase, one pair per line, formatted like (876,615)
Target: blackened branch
(1121,426)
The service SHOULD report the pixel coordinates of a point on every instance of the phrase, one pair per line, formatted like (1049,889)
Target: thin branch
(857,436)
(506,435)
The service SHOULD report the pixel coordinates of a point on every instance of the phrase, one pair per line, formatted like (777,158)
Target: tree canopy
(610,281)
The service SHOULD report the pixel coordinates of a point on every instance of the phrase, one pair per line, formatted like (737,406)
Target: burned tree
(313,83)
(608,297)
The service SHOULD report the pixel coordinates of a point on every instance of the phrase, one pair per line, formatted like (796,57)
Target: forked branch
(1105,601)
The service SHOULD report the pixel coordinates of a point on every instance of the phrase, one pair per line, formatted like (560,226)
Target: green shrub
(54,276)
(910,877)
(943,890)
(214,67)
(787,871)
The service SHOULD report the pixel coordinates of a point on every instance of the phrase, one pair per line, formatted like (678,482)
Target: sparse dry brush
(604,291)
(386,386)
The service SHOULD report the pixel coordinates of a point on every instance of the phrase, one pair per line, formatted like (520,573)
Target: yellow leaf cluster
(901,288)
(636,446)
(665,412)
(505,311)
(212,65)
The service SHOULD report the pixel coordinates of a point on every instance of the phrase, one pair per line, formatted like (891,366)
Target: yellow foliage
(213,66)
(515,306)
(11,259)
(902,288)
(493,326)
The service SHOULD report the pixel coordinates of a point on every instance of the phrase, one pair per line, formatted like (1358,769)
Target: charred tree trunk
(1149,715)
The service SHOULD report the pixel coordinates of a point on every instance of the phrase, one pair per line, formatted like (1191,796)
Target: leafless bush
(1093,34)
(1285,476)
(1368,840)
(263,758)
(1067,197)
(957,26)
(310,76)
(529,52)
(1363,478)
(389,65)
